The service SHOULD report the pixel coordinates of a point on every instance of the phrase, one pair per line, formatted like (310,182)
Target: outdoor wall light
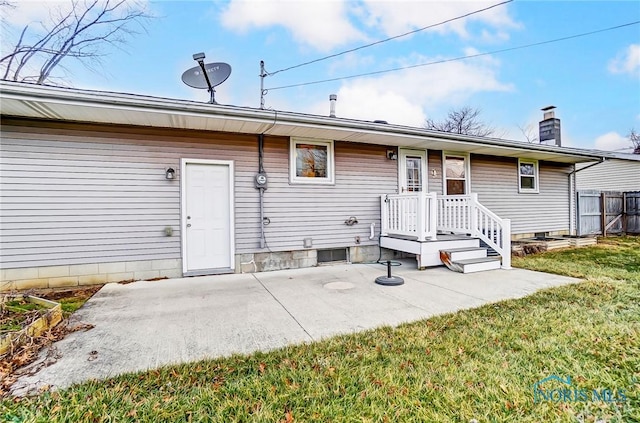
(392,155)
(170,173)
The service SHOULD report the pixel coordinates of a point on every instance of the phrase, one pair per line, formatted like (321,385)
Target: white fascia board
(46,102)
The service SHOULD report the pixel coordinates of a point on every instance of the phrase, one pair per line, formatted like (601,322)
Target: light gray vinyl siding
(74,194)
(612,175)
(296,211)
(495,180)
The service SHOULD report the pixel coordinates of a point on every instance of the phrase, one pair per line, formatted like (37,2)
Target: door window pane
(414,173)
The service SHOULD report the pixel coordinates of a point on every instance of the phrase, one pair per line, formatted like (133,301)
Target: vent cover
(335,254)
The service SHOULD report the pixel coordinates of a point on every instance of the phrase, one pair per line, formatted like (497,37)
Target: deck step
(478,264)
(456,254)
(428,252)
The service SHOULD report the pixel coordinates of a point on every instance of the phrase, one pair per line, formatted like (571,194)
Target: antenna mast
(263,92)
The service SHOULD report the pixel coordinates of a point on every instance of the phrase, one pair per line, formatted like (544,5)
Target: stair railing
(463,214)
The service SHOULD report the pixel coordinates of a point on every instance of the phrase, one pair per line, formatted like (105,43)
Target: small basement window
(528,176)
(335,254)
(311,161)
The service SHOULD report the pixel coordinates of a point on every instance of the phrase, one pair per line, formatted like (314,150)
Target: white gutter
(32,93)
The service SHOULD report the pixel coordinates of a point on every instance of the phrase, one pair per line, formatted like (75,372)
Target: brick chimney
(549,128)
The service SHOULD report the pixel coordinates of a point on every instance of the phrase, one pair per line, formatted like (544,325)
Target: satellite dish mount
(214,74)
(199,57)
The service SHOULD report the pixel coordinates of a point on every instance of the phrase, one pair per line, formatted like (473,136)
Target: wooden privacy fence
(602,213)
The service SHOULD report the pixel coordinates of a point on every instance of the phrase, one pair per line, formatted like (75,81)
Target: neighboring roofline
(32,94)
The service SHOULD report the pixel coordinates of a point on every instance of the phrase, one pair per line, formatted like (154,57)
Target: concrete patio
(145,325)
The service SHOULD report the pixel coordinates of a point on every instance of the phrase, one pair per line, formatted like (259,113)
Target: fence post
(603,213)
(624,213)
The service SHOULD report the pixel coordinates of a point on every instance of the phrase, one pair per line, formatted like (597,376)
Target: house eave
(65,104)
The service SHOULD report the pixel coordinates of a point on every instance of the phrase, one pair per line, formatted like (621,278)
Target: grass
(476,364)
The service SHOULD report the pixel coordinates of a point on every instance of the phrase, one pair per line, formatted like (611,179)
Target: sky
(593,80)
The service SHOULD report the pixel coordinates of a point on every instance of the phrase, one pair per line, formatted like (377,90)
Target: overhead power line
(388,39)
(555,40)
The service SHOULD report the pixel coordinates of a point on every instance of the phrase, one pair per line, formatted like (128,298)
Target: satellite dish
(217,73)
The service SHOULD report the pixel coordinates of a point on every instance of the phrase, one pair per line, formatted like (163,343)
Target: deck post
(384,215)
(473,212)
(433,215)
(420,216)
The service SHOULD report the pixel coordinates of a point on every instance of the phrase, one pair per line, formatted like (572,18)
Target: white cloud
(325,25)
(32,12)
(366,101)
(627,61)
(322,25)
(28,12)
(612,141)
(398,17)
(406,97)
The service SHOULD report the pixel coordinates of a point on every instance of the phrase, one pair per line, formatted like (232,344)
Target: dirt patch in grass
(15,363)
(70,299)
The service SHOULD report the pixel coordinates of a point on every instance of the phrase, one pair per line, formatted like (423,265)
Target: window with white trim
(527,176)
(456,173)
(311,161)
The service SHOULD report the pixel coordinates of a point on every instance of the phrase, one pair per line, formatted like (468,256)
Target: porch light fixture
(392,155)
(170,173)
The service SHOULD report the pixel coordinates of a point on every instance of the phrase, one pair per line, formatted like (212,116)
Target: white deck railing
(409,215)
(423,215)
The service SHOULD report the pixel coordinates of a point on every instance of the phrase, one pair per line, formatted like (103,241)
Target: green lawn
(477,364)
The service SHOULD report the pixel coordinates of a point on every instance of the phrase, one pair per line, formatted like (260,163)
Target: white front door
(207,216)
(412,171)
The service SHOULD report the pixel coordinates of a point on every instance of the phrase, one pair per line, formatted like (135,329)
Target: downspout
(573,192)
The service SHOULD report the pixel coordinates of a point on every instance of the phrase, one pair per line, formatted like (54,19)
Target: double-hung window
(456,173)
(528,176)
(311,161)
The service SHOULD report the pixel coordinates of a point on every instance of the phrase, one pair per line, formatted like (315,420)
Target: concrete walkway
(145,325)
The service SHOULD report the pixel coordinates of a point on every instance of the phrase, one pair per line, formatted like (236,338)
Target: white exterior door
(412,171)
(207,216)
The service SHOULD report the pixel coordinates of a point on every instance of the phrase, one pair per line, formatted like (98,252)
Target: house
(101,186)
(617,172)
(608,195)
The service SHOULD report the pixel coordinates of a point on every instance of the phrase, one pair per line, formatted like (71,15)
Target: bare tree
(79,32)
(463,121)
(529,133)
(634,137)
